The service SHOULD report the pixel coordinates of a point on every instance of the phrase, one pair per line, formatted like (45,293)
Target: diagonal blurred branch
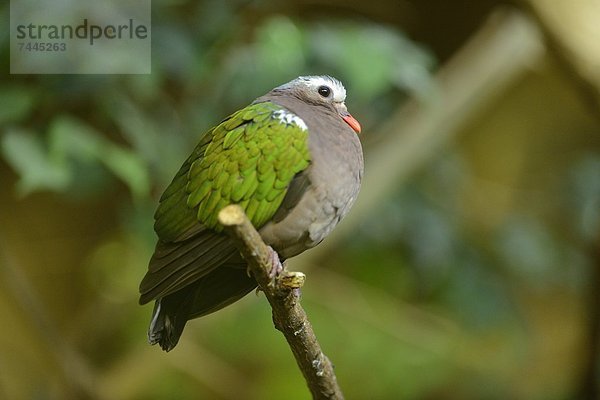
(571,32)
(505,47)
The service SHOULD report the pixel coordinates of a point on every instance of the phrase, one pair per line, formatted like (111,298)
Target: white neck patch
(288,118)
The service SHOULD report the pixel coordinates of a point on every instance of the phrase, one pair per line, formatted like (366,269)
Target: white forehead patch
(313,82)
(288,118)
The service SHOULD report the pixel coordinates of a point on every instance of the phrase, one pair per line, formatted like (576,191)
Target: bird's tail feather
(169,317)
(212,292)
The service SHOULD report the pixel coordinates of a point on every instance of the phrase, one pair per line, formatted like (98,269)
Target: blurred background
(468,269)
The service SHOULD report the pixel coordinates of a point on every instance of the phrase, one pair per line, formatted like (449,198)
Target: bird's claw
(276,266)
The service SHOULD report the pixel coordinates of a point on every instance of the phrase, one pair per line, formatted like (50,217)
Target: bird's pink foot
(276,266)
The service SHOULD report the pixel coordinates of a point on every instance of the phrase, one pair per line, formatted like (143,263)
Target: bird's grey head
(321,90)
(316,89)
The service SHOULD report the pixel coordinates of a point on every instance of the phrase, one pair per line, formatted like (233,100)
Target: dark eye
(324,91)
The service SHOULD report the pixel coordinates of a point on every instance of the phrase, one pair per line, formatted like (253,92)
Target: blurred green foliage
(134,127)
(422,302)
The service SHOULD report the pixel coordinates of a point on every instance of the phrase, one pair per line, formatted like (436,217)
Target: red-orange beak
(350,120)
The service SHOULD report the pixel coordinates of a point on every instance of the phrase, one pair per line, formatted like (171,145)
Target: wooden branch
(283,293)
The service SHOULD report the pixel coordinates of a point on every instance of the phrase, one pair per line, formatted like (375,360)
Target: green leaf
(17,103)
(71,138)
(70,142)
(130,168)
(373,58)
(280,48)
(26,154)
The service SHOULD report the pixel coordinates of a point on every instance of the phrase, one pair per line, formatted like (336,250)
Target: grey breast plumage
(327,189)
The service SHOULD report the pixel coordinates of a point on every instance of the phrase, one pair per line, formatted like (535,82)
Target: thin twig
(283,293)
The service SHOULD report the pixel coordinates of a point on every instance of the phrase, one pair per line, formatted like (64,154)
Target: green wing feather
(249,159)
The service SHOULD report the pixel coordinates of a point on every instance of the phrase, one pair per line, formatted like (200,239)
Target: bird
(292,160)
